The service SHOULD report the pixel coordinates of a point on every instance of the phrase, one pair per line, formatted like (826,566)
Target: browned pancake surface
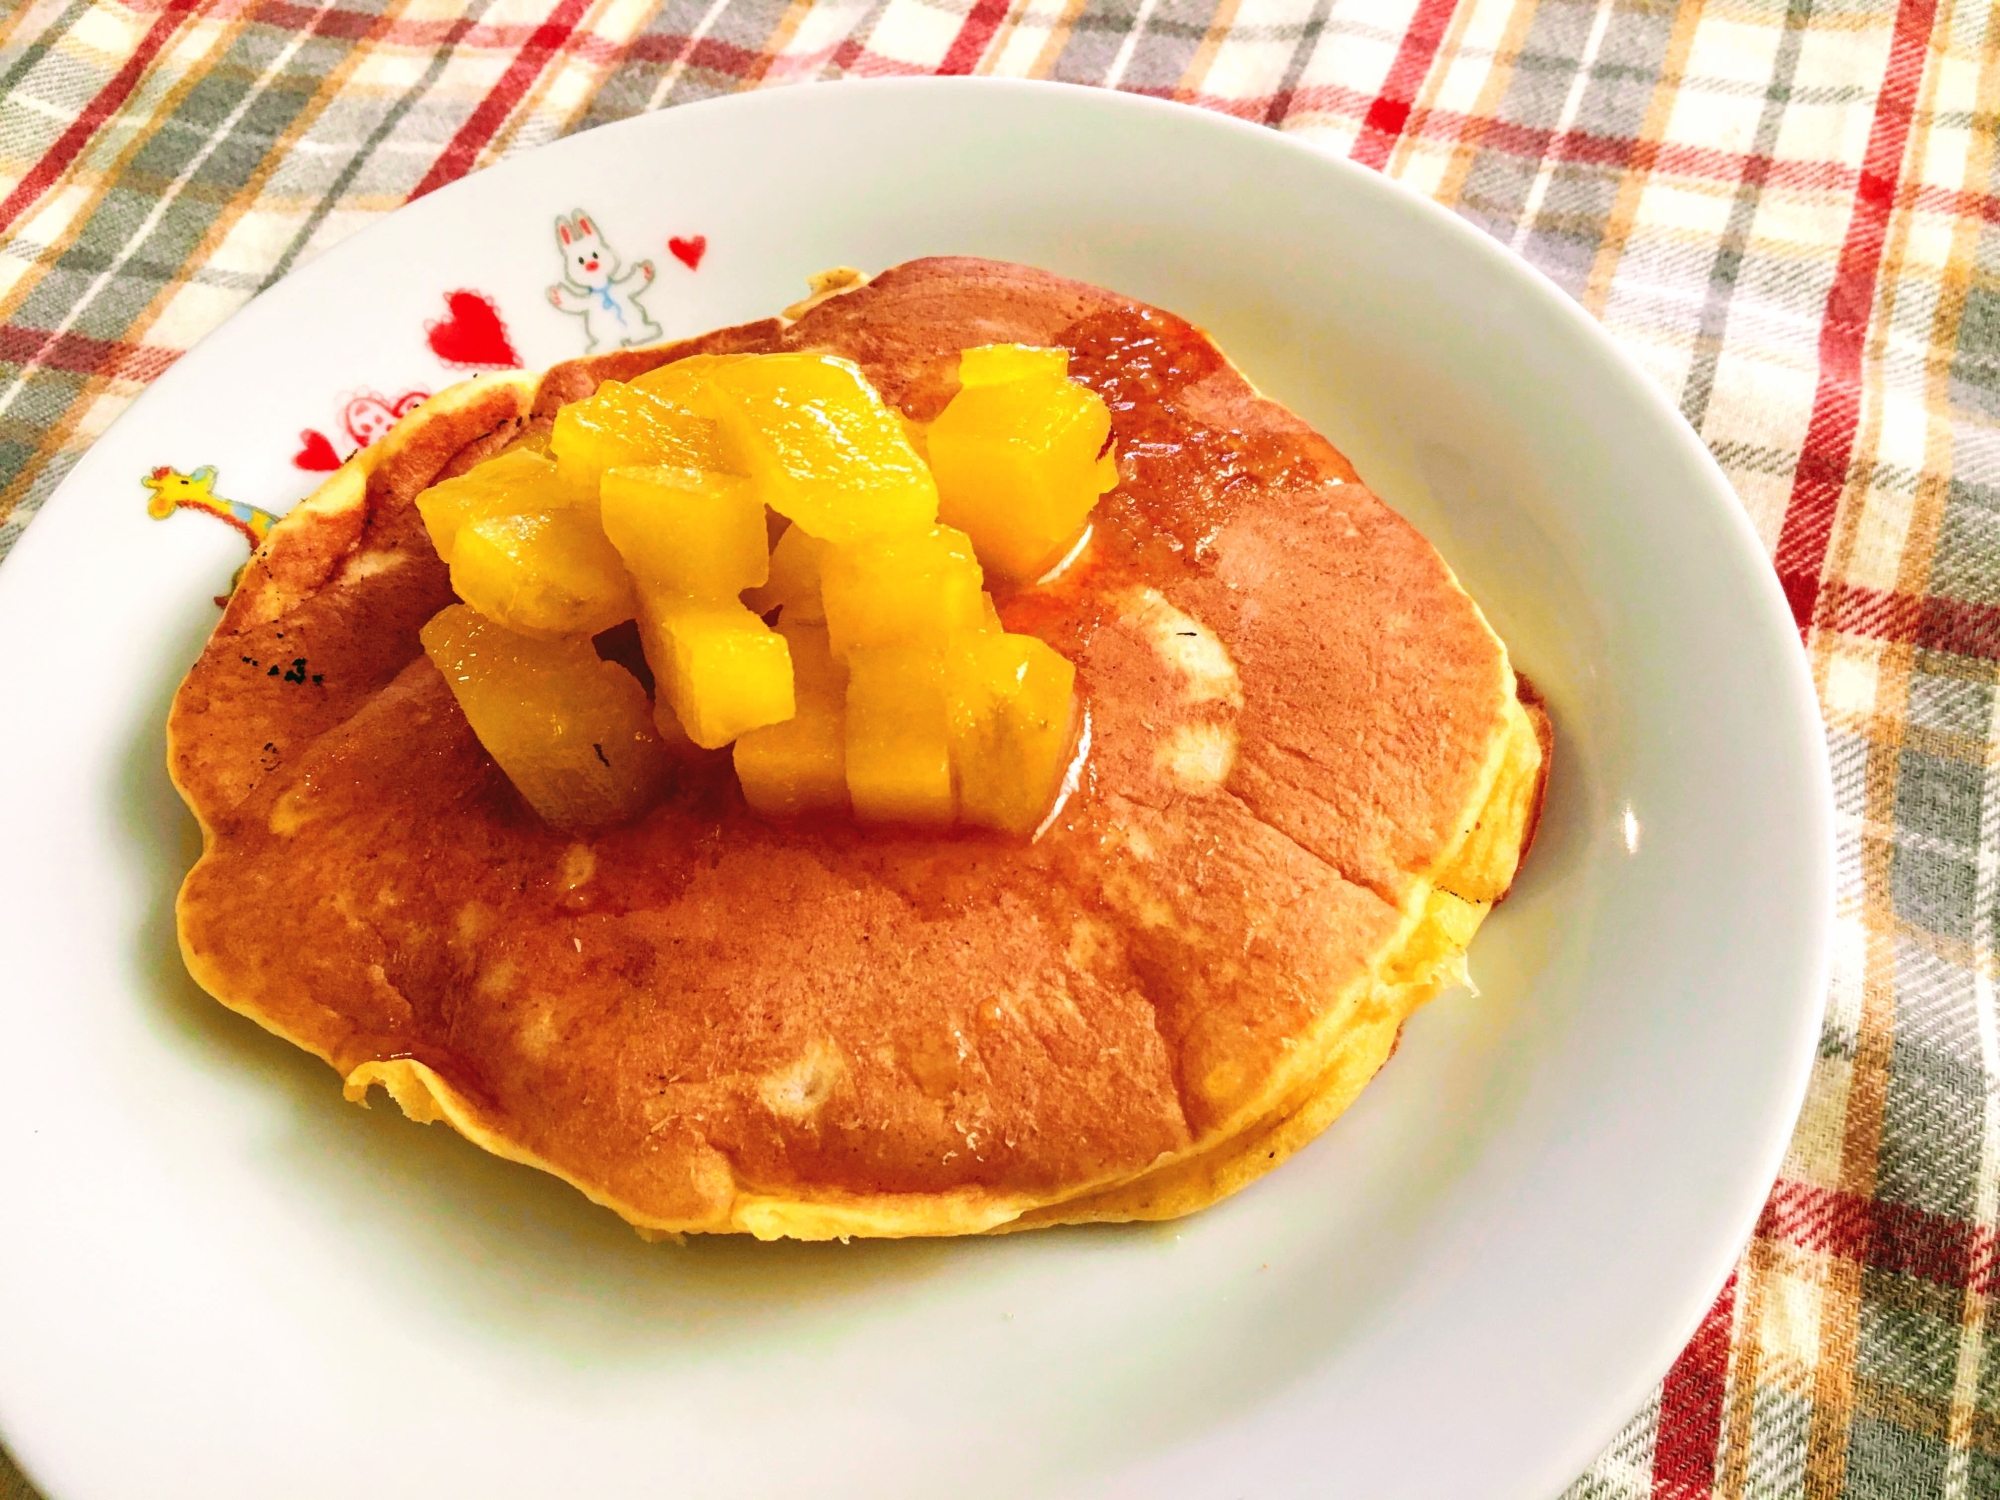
(704,1002)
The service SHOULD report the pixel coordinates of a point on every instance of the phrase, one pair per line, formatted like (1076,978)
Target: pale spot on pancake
(369,564)
(1186,645)
(937,1062)
(1091,944)
(540,1032)
(293,809)
(579,866)
(473,921)
(495,979)
(797,1092)
(1224,1082)
(1198,756)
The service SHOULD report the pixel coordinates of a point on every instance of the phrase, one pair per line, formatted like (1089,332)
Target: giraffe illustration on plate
(594,289)
(173,490)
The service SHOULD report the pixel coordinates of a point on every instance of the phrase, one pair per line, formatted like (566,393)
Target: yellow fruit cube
(997,364)
(684,383)
(800,765)
(548,573)
(823,448)
(572,733)
(516,482)
(717,668)
(1017,468)
(686,531)
(1010,700)
(621,426)
(898,735)
(907,589)
(794,580)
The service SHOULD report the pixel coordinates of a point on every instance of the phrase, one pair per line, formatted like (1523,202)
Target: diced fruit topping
(1009,698)
(800,765)
(898,735)
(905,589)
(717,668)
(573,733)
(824,449)
(890,686)
(686,531)
(549,573)
(1017,453)
(620,426)
(513,484)
(794,580)
(997,364)
(685,382)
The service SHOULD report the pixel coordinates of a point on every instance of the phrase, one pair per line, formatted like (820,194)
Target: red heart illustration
(472,334)
(689,252)
(315,453)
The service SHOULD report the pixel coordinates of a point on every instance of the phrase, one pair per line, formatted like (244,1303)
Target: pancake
(1309,772)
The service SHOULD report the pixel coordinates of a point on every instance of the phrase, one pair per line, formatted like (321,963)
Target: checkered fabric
(1788,210)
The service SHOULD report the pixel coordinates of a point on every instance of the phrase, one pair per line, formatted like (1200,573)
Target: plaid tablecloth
(1789,210)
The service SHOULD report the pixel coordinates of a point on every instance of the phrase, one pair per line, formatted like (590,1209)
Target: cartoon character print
(173,490)
(366,417)
(593,289)
(370,415)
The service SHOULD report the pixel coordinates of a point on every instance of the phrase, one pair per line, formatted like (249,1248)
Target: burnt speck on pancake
(709,1021)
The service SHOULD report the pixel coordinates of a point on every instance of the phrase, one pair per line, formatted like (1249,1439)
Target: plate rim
(1801,717)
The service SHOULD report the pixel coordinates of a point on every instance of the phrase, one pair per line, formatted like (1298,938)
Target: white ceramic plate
(217,1279)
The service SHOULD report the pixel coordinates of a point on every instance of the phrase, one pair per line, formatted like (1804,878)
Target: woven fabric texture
(1787,210)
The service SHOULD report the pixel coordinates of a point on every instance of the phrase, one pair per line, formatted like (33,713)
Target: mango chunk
(1016,463)
(717,669)
(548,573)
(822,447)
(516,482)
(686,531)
(906,589)
(794,580)
(685,382)
(1009,699)
(898,735)
(800,766)
(997,364)
(572,733)
(621,426)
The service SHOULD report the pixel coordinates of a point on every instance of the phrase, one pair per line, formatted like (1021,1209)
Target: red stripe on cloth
(1389,111)
(963,55)
(492,111)
(1883,1236)
(112,358)
(1691,1407)
(1935,624)
(349,25)
(55,161)
(1821,474)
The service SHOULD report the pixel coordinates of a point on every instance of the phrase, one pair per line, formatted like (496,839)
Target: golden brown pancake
(1309,773)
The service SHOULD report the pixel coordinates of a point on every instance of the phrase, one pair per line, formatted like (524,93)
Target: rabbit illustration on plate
(593,289)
